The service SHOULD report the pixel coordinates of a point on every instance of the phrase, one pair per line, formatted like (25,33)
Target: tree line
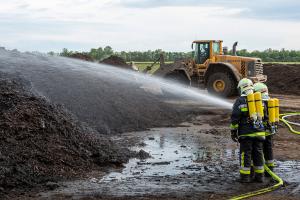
(269,55)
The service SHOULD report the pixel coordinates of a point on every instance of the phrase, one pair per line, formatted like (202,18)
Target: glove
(234,135)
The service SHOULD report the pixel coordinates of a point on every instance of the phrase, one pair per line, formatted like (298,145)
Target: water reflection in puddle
(171,156)
(174,154)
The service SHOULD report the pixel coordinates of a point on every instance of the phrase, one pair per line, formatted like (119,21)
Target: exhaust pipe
(234,48)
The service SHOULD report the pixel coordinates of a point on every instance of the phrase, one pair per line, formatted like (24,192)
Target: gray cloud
(129,25)
(160,3)
(265,9)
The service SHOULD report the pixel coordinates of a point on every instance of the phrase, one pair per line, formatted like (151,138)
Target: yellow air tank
(276,102)
(271,110)
(251,107)
(259,105)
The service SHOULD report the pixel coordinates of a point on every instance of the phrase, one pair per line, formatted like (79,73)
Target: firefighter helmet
(263,89)
(245,86)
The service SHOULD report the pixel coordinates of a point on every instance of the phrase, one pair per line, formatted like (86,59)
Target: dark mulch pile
(82,56)
(115,61)
(283,79)
(41,143)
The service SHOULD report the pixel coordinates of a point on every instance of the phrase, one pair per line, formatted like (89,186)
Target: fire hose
(288,123)
(272,174)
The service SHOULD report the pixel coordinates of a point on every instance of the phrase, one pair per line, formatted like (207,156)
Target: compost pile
(115,61)
(283,79)
(82,56)
(41,143)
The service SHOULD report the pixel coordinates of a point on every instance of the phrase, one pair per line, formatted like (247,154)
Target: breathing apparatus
(259,108)
(255,109)
(254,102)
(272,106)
(273,110)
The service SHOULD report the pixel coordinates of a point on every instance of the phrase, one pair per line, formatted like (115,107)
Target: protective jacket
(241,121)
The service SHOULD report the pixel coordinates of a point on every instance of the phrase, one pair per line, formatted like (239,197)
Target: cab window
(216,48)
(201,52)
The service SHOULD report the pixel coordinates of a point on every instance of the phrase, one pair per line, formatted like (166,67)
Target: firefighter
(250,137)
(268,143)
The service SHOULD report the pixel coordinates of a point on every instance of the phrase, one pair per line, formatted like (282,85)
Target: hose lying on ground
(288,123)
(264,190)
(272,174)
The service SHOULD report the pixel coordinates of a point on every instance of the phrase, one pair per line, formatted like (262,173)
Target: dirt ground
(196,160)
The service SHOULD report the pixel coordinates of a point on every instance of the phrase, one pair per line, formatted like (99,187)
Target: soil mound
(115,61)
(41,143)
(82,56)
(283,79)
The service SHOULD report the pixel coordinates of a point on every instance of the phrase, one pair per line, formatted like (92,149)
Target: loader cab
(206,49)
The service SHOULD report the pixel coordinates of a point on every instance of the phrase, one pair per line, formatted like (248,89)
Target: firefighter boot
(245,178)
(259,177)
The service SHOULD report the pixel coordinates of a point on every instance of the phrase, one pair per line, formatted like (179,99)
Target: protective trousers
(268,151)
(251,148)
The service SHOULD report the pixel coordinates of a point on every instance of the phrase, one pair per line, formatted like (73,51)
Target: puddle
(183,161)
(288,170)
(171,156)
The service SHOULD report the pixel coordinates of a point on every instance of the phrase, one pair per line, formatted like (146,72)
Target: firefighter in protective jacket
(268,143)
(249,135)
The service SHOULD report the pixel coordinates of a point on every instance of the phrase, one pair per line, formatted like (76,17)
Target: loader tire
(221,84)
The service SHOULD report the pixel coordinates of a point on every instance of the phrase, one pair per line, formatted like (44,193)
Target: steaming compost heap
(82,56)
(115,61)
(42,143)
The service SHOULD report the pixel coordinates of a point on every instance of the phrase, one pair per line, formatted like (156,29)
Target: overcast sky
(36,25)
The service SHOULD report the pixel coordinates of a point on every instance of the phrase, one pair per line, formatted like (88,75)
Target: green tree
(268,55)
(65,52)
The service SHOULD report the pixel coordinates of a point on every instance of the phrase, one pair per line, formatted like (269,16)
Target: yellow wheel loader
(212,68)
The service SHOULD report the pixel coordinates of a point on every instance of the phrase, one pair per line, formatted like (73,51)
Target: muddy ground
(196,160)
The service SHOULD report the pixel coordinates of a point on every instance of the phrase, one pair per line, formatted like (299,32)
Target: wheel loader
(212,68)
